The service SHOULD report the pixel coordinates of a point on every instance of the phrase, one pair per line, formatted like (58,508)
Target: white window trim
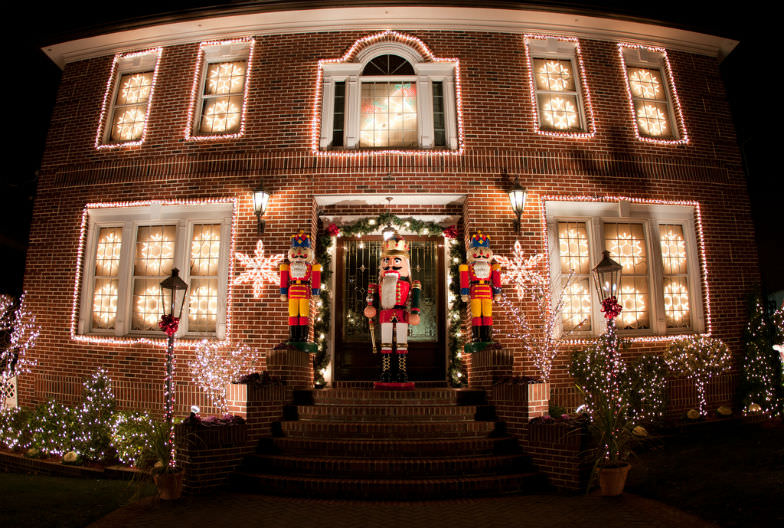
(210,53)
(595,214)
(558,49)
(426,74)
(125,64)
(184,217)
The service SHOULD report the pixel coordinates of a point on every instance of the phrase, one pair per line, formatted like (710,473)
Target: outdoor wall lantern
(607,279)
(260,200)
(517,197)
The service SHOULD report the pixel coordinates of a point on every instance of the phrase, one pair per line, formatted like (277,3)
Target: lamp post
(260,201)
(517,197)
(171,302)
(607,280)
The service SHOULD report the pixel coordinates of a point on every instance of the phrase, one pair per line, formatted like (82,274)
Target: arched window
(388,97)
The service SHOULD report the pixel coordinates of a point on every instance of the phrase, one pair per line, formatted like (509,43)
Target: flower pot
(169,485)
(612,479)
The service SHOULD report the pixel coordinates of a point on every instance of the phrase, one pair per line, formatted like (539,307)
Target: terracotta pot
(613,479)
(169,485)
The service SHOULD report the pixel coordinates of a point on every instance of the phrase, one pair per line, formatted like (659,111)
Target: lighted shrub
(131,437)
(95,418)
(14,431)
(52,428)
(647,400)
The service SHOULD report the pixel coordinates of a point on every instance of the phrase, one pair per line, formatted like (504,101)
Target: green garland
(456,369)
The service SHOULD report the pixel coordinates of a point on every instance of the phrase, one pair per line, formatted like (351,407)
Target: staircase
(355,442)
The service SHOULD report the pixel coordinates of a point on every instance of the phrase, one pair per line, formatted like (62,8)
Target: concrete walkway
(540,511)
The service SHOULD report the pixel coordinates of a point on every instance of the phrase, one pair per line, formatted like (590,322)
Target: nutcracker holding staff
(399,302)
(299,280)
(480,283)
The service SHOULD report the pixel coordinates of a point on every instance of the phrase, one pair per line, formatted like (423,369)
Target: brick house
(619,131)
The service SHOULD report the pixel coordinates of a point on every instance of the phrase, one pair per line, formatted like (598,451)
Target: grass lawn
(732,475)
(34,500)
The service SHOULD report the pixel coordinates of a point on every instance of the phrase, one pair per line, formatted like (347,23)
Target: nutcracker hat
(395,246)
(300,240)
(479,240)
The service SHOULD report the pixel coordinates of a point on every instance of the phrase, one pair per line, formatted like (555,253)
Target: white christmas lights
(259,269)
(127,90)
(216,365)
(19,333)
(520,271)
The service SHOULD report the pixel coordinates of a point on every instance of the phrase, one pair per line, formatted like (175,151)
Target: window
(130,250)
(557,86)
(130,90)
(652,93)
(656,245)
(390,97)
(221,78)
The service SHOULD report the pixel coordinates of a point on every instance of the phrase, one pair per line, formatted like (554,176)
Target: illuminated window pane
(147,308)
(154,250)
(577,305)
(646,84)
(203,305)
(134,88)
(673,248)
(105,303)
(128,123)
(674,266)
(676,302)
(130,107)
(205,250)
(225,78)
(221,115)
(573,247)
(635,301)
(554,75)
(652,118)
(107,255)
(626,243)
(388,115)
(559,112)
(651,110)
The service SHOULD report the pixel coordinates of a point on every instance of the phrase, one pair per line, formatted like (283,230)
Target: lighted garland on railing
(366,226)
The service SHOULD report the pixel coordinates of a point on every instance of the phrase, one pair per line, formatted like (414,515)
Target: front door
(357,266)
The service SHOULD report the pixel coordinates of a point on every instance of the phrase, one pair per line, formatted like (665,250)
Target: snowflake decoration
(521,272)
(259,269)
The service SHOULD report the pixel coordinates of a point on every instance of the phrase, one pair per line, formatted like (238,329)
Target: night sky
(31,82)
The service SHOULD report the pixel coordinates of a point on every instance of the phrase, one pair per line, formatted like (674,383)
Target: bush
(14,428)
(590,368)
(699,358)
(53,428)
(648,377)
(131,433)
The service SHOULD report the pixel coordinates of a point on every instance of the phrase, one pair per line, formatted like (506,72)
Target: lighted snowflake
(148,306)
(129,124)
(221,116)
(555,76)
(205,251)
(520,271)
(135,88)
(105,305)
(634,309)
(676,302)
(627,250)
(645,84)
(107,258)
(559,113)
(673,249)
(259,269)
(226,77)
(651,120)
(156,252)
(577,305)
(573,248)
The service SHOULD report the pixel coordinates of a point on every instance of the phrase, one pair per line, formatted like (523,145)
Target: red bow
(169,324)
(450,232)
(611,308)
(333,230)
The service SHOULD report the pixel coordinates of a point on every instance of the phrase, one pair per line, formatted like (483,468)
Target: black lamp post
(260,201)
(517,197)
(173,290)
(607,280)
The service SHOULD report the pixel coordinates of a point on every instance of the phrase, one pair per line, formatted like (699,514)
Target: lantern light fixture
(260,201)
(517,197)
(607,277)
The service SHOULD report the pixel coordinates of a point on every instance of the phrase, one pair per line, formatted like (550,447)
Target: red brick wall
(499,134)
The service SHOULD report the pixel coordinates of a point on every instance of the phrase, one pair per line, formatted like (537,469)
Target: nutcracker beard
(482,269)
(389,289)
(299,269)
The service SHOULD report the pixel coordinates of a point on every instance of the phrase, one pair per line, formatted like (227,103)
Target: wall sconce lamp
(260,200)
(517,197)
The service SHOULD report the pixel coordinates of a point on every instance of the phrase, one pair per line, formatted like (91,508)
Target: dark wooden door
(357,263)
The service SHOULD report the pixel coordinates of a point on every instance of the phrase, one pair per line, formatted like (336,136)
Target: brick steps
(421,429)
(435,396)
(388,413)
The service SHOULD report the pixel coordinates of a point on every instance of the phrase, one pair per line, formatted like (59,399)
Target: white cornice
(324,200)
(380,18)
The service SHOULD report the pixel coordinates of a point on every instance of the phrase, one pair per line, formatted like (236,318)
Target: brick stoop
(355,443)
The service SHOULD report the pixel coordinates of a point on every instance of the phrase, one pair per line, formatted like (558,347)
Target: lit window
(222,77)
(130,91)
(556,84)
(130,257)
(660,289)
(651,93)
(389,97)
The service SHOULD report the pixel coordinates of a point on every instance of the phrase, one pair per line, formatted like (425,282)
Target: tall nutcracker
(299,280)
(398,298)
(480,283)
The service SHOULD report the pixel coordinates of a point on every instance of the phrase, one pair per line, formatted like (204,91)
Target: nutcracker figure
(299,280)
(480,283)
(399,305)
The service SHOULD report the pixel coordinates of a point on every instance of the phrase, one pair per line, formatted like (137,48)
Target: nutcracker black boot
(486,333)
(386,364)
(402,375)
(475,334)
(293,333)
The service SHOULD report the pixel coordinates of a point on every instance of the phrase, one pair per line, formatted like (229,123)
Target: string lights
(652,119)
(222,114)
(700,358)
(561,115)
(216,365)
(520,271)
(131,120)
(422,48)
(259,269)
(80,261)
(19,333)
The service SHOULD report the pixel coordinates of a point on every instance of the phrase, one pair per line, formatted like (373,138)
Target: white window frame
(211,53)
(565,50)
(123,65)
(595,215)
(651,59)
(184,217)
(425,74)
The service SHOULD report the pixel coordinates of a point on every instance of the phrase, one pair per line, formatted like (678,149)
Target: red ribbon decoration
(450,232)
(169,324)
(611,308)
(333,230)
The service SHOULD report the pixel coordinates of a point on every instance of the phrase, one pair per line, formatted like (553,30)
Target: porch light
(260,200)
(517,197)
(607,277)
(388,232)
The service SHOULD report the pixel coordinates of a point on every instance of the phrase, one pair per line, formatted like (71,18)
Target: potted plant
(612,431)
(167,477)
